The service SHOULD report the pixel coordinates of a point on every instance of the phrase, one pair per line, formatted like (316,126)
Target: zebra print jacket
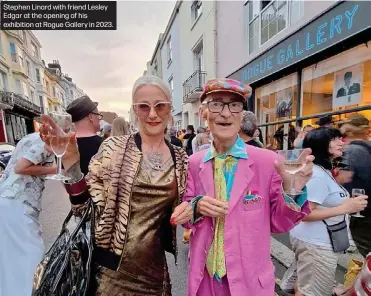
(110,180)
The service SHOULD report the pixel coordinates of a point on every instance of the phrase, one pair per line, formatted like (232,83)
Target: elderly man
(237,195)
(249,126)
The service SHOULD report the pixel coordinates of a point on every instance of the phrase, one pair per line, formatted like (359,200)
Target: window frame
(171,85)
(34,50)
(169,50)
(13,55)
(258,17)
(4,80)
(196,10)
(38,75)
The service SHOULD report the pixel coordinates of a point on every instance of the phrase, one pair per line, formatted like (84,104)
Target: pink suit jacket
(250,271)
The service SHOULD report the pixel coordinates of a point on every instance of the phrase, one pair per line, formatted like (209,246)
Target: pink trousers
(211,287)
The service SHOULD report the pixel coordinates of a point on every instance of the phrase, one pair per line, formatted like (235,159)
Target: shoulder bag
(66,267)
(338,232)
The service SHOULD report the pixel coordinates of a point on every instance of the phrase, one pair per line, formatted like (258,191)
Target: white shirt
(25,188)
(325,191)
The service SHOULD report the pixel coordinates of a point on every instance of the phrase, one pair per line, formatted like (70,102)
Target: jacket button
(205,252)
(201,273)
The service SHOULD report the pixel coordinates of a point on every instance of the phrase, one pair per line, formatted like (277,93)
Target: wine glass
(357,192)
(293,163)
(59,138)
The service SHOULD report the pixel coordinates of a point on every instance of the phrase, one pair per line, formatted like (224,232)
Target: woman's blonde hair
(120,127)
(152,80)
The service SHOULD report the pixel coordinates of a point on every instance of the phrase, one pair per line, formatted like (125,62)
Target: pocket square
(252,197)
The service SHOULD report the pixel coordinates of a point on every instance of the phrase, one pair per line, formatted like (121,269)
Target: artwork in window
(348,86)
(284,103)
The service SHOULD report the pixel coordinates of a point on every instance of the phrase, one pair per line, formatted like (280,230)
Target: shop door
(268,131)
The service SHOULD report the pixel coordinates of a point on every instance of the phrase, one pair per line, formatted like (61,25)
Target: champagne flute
(59,138)
(293,163)
(357,192)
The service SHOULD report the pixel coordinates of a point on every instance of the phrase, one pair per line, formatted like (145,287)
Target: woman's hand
(182,214)
(355,204)
(302,177)
(48,129)
(208,206)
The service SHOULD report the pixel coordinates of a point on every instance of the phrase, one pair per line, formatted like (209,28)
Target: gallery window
(276,101)
(339,83)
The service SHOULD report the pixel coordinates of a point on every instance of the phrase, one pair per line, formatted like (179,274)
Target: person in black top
(249,125)
(173,139)
(86,118)
(189,136)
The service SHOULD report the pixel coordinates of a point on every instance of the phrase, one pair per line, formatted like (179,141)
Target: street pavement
(56,207)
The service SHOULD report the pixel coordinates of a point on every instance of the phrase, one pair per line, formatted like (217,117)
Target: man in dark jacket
(173,139)
(357,158)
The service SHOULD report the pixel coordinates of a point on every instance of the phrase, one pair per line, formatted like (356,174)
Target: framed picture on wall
(348,86)
(284,103)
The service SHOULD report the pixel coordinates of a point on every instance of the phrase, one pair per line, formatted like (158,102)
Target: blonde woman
(135,182)
(120,127)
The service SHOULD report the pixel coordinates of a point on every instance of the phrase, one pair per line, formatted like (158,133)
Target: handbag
(338,232)
(66,267)
(338,236)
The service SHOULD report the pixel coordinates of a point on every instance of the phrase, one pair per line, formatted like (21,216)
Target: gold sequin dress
(143,270)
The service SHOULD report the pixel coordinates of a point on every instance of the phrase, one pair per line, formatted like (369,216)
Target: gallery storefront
(322,69)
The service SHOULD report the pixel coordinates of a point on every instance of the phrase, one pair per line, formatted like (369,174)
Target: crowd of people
(219,183)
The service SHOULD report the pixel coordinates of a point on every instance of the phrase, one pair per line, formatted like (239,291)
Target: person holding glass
(237,193)
(357,156)
(135,182)
(21,188)
(323,235)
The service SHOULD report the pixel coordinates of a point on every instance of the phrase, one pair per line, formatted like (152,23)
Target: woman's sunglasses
(142,110)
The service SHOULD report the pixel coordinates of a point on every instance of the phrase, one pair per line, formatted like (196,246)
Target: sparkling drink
(292,167)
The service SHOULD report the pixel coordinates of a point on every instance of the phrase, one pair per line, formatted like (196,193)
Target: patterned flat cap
(226,85)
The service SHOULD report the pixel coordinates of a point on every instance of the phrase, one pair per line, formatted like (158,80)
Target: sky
(105,64)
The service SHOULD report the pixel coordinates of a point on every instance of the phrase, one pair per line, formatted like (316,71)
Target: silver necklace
(156,159)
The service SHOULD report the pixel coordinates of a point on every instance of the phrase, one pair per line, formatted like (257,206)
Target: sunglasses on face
(142,110)
(218,106)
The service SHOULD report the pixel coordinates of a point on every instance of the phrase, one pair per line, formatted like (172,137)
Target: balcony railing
(192,87)
(6,100)
(23,103)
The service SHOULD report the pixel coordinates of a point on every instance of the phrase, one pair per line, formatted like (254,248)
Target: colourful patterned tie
(215,263)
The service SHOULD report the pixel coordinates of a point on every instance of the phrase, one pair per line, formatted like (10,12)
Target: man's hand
(47,130)
(302,177)
(208,206)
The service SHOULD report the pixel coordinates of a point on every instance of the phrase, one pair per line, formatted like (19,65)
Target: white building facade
(72,91)
(197,23)
(171,64)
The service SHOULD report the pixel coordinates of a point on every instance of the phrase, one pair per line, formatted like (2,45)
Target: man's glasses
(218,106)
(142,110)
(100,116)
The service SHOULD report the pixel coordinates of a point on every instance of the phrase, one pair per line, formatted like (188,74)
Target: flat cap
(226,85)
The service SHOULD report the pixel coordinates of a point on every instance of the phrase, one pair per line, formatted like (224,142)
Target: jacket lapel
(206,176)
(242,179)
